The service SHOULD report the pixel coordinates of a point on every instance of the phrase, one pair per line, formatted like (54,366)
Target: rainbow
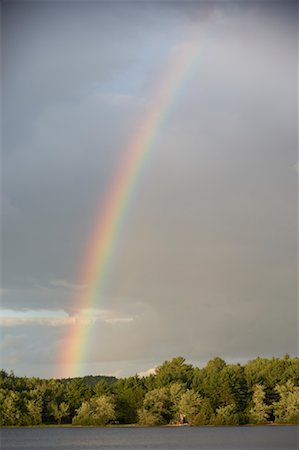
(112,215)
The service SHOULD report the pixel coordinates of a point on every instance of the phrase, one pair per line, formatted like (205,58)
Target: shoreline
(144,426)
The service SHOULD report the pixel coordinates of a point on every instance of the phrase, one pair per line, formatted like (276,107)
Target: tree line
(261,391)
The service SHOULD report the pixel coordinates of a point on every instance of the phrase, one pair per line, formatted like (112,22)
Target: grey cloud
(67,285)
(206,258)
(158,335)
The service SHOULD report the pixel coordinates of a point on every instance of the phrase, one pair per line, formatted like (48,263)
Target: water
(184,438)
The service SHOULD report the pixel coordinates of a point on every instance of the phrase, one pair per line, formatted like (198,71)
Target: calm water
(220,438)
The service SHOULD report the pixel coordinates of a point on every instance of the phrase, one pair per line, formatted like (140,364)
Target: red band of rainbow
(112,214)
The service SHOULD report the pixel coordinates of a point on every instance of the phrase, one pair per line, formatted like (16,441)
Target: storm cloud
(206,260)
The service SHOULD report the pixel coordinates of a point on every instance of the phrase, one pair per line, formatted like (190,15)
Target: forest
(262,391)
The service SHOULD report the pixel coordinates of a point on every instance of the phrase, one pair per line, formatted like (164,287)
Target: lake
(165,438)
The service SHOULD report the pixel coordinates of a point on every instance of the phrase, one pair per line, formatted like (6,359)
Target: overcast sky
(206,260)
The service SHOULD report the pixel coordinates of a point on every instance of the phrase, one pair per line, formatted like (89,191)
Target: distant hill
(92,380)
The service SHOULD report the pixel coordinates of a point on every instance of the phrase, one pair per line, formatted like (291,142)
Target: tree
(129,394)
(226,415)
(76,393)
(270,373)
(197,381)
(259,413)
(157,407)
(286,410)
(261,391)
(205,414)
(215,383)
(50,390)
(34,408)
(101,388)
(175,370)
(176,391)
(189,405)
(96,411)
(11,412)
(59,410)
(234,380)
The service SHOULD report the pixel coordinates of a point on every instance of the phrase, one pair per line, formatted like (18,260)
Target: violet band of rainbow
(112,215)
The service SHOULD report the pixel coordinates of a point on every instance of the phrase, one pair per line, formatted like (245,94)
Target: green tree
(157,407)
(96,411)
(11,411)
(50,390)
(176,390)
(197,381)
(235,387)
(101,388)
(189,405)
(205,414)
(34,415)
(259,412)
(76,393)
(215,383)
(173,371)
(59,411)
(226,415)
(286,410)
(129,394)
(270,373)
(263,390)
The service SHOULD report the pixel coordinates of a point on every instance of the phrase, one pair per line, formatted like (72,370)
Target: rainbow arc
(112,215)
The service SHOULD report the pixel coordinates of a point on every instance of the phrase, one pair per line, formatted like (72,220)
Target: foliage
(34,408)
(96,411)
(101,388)
(226,415)
(205,415)
(189,405)
(92,380)
(262,391)
(157,407)
(172,371)
(59,410)
(176,390)
(259,413)
(11,409)
(76,392)
(129,394)
(286,410)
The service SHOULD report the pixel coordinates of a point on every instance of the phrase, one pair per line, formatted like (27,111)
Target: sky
(205,261)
